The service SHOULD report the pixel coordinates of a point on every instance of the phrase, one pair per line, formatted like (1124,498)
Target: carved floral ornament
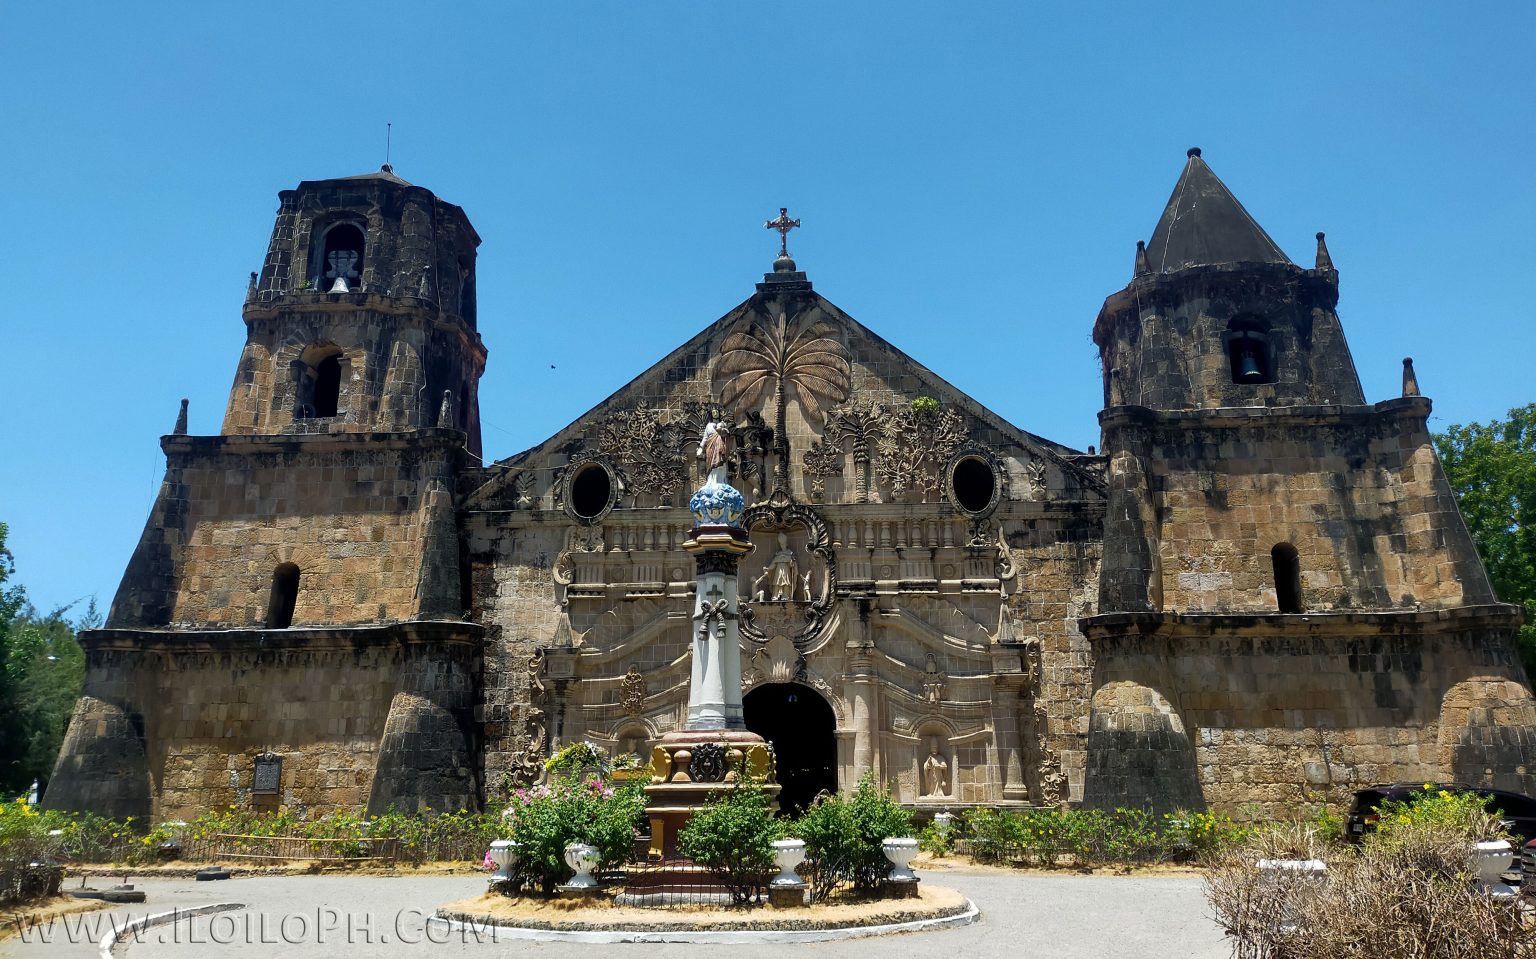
(632,691)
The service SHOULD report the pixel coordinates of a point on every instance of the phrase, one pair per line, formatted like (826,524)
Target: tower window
(285,596)
(318,392)
(340,266)
(1248,353)
(327,385)
(1287,566)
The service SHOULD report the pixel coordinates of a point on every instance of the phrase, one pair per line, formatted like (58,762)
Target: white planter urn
(787,854)
(503,855)
(583,858)
(943,822)
(1493,857)
(901,852)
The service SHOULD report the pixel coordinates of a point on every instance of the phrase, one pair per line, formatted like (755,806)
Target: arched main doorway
(802,728)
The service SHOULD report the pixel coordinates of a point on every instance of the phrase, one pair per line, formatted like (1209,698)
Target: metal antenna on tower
(389,129)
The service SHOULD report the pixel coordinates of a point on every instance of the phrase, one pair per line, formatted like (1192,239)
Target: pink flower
(490,864)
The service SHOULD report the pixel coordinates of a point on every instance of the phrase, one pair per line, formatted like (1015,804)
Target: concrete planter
(901,852)
(583,858)
(787,854)
(503,855)
(1493,858)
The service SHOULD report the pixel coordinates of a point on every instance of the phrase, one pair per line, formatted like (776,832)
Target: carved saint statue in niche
(935,771)
(714,447)
(779,581)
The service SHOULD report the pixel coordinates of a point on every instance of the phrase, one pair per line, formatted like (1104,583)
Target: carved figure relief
(778,582)
(934,680)
(647,451)
(754,441)
(784,596)
(800,360)
(632,691)
(935,772)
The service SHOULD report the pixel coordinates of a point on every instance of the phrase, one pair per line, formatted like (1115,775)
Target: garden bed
(601,915)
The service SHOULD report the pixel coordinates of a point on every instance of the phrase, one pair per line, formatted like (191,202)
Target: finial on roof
(783,224)
(445,412)
(1141,258)
(387,168)
(1410,379)
(250,288)
(181,419)
(1324,261)
(1192,152)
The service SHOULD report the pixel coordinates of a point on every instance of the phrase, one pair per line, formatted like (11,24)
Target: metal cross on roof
(783,224)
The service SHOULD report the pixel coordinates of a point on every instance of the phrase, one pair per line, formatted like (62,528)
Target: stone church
(1258,591)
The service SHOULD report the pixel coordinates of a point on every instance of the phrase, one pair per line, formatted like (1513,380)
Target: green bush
(543,820)
(1464,814)
(733,834)
(1088,837)
(843,838)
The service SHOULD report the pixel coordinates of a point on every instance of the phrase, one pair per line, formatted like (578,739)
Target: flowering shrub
(543,820)
(577,755)
(1463,813)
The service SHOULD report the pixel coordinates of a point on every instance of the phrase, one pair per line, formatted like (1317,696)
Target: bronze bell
(1248,367)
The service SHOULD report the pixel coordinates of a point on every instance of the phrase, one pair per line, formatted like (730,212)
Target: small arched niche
(1287,568)
(284,597)
(1250,358)
(339,266)
(319,388)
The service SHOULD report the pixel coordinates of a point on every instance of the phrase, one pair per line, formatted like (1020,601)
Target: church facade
(1258,592)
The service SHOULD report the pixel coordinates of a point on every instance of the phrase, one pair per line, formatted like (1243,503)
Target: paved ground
(1038,916)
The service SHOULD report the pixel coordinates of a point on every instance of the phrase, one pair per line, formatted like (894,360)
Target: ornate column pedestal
(714,749)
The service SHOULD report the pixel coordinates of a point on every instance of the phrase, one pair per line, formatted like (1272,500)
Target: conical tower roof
(1204,225)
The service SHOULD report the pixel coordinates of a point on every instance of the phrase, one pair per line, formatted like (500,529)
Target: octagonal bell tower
(363,316)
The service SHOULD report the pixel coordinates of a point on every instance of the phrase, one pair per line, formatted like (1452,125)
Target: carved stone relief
(934,680)
(793,592)
(915,446)
(632,691)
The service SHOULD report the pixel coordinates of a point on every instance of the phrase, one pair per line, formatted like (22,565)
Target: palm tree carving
(802,361)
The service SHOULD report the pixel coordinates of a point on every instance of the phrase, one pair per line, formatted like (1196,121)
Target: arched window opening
(328,385)
(1287,566)
(341,259)
(1248,353)
(285,596)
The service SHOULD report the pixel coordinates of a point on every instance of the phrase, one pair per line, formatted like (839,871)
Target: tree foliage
(41,671)
(1492,470)
(733,834)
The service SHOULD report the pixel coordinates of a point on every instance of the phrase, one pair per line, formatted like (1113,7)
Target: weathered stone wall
(1252,715)
(1163,340)
(1358,492)
(398,356)
(355,513)
(363,718)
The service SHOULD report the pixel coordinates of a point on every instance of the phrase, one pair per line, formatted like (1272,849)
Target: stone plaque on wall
(269,775)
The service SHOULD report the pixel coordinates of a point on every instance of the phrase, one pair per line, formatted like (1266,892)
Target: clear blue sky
(972,179)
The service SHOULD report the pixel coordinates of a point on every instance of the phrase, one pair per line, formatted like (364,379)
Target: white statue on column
(714,448)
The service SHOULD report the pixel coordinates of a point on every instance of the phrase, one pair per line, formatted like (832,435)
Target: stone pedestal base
(579,892)
(901,888)
(786,897)
(687,768)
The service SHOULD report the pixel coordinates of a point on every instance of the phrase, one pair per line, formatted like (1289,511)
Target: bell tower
(362,319)
(1259,511)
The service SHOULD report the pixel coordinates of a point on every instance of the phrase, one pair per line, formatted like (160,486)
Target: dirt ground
(931,902)
(14,918)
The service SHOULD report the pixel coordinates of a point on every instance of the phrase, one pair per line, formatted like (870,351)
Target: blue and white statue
(716,503)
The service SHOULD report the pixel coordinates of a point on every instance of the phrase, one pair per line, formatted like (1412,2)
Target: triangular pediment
(864,421)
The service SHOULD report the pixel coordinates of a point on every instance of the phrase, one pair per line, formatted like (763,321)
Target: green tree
(1492,470)
(41,672)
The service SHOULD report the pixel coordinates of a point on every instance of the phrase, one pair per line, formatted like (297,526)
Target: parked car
(1517,809)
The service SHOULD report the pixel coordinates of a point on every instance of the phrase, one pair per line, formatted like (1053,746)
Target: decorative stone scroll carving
(1007,566)
(525,765)
(810,614)
(914,448)
(632,691)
